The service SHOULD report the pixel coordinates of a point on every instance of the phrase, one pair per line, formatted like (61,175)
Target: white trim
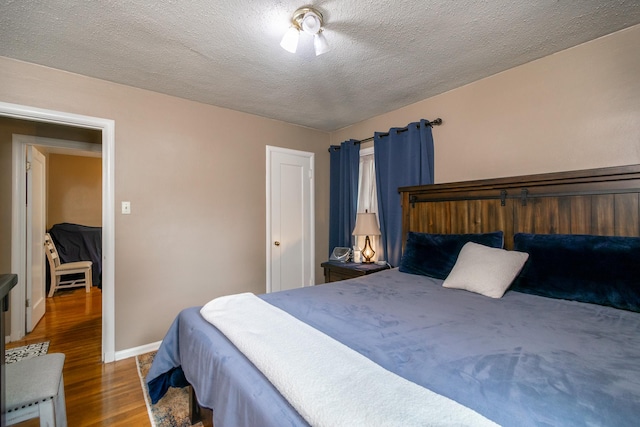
(107,127)
(72,148)
(136,351)
(61,146)
(312,232)
(267,193)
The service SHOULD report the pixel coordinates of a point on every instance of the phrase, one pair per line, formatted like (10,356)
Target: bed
(556,345)
(76,242)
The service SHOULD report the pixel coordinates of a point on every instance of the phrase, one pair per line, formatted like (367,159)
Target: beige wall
(577,109)
(5,196)
(74,190)
(5,208)
(7,129)
(195,176)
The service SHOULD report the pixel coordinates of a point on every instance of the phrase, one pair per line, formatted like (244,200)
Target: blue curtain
(403,157)
(343,193)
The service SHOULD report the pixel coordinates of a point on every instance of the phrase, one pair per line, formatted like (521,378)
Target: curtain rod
(436,122)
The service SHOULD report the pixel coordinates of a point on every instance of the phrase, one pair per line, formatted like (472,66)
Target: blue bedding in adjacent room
(76,242)
(519,360)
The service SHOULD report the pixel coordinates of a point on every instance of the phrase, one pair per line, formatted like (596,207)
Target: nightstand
(335,270)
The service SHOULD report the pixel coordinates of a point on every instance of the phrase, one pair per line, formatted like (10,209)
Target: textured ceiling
(384,54)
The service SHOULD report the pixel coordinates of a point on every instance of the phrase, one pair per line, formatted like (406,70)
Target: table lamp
(366,225)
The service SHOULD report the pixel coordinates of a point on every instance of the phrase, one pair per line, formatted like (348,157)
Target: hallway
(96,394)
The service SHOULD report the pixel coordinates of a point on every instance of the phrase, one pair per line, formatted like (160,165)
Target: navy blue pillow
(434,255)
(601,270)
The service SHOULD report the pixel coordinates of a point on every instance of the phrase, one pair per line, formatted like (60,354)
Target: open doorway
(70,209)
(106,129)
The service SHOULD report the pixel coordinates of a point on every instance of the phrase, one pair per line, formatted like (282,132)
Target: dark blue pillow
(595,269)
(434,255)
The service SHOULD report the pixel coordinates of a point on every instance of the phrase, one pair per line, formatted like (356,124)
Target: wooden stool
(35,388)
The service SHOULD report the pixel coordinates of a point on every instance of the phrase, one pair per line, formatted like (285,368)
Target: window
(367,197)
(367,194)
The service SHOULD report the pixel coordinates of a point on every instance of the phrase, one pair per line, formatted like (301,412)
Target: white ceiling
(384,54)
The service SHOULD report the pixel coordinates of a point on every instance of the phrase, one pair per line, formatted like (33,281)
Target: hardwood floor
(96,394)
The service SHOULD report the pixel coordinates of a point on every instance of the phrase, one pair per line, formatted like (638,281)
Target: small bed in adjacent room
(516,303)
(75,242)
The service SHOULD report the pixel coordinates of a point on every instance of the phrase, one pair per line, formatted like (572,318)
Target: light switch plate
(126,208)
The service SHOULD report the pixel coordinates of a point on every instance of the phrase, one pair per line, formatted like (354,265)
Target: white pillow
(484,270)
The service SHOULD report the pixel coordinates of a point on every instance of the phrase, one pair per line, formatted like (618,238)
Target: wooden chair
(35,389)
(58,269)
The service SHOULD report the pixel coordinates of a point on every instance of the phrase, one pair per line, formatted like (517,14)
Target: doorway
(66,205)
(18,262)
(290,219)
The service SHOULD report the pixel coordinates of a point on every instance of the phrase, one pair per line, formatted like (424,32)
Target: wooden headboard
(602,201)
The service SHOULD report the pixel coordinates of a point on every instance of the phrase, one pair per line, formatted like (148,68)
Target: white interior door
(290,219)
(36,227)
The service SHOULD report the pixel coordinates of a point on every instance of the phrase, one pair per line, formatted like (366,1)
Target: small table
(336,270)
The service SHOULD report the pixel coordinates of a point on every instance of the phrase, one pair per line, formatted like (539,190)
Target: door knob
(276,243)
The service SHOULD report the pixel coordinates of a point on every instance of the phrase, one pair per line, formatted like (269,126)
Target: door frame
(18,262)
(311,156)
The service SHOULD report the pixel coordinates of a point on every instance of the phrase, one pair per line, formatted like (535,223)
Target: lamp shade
(290,40)
(320,43)
(366,225)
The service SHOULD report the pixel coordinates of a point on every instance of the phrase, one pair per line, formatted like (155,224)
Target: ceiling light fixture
(310,21)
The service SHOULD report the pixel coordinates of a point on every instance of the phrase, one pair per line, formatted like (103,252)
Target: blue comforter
(519,360)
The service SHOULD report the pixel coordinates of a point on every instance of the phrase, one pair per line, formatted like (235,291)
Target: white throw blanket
(328,383)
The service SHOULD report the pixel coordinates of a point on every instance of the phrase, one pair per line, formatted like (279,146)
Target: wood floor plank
(96,394)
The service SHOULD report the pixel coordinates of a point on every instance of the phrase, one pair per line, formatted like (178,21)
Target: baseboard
(135,351)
